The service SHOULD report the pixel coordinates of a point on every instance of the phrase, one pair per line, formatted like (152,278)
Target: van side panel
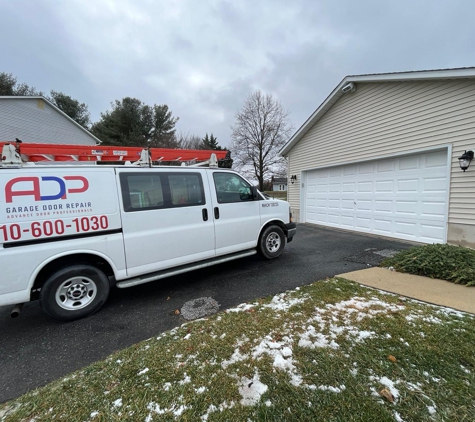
(21,264)
(41,204)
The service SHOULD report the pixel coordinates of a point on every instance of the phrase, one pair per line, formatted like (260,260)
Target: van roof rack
(18,154)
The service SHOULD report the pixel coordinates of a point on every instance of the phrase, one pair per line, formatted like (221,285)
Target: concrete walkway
(437,292)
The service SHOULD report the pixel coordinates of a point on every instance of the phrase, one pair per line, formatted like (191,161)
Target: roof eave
(336,94)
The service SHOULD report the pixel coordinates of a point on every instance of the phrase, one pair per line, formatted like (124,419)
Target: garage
(403,197)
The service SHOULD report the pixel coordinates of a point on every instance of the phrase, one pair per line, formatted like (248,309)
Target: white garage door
(404,197)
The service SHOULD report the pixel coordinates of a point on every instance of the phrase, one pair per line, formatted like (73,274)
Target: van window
(142,191)
(231,188)
(186,190)
(161,190)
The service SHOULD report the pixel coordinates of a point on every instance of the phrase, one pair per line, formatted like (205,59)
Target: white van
(70,232)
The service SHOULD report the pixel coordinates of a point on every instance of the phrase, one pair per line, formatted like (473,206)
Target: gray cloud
(204,58)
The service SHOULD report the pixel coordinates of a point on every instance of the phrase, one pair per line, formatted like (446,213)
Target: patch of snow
(251,390)
(242,307)
(200,390)
(236,357)
(167,386)
(117,403)
(332,389)
(93,414)
(397,416)
(143,371)
(432,410)
(185,380)
(282,303)
(390,385)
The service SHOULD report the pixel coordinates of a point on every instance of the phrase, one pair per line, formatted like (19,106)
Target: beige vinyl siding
(382,119)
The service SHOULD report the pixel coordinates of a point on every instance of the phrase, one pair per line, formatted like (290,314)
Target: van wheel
(271,242)
(74,292)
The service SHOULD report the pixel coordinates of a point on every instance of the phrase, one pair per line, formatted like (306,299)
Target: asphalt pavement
(35,349)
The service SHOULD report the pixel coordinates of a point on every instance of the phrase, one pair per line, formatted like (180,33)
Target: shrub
(446,262)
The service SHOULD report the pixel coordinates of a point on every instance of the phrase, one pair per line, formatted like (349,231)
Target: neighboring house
(380,155)
(279,183)
(37,120)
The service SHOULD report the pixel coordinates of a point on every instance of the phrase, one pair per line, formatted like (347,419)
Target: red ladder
(57,152)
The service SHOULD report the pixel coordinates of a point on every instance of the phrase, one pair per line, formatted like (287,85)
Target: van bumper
(291,230)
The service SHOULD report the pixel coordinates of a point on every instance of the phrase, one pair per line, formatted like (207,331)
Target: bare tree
(262,127)
(187,141)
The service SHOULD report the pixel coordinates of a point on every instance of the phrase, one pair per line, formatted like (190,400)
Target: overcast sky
(202,58)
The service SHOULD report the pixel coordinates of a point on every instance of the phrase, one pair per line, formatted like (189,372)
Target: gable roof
(40,97)
(336,94)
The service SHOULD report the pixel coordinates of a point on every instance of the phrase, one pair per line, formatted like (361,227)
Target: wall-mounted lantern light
(465,159)
(293,178)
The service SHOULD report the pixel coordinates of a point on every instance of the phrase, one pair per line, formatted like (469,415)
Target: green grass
(275,194)
(320,353)
(446,262)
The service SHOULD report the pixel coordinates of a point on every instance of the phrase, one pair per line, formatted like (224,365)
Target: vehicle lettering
(35,184)
(48,228)
(270,204)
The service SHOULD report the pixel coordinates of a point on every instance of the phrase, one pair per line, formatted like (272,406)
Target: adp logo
(55,184)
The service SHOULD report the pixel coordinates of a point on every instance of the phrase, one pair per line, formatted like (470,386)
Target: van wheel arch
(65,261)
(272,239)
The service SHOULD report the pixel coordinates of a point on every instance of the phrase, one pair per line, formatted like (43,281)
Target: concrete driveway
(35,349)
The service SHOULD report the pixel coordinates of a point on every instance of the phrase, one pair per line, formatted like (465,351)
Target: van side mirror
(255,193)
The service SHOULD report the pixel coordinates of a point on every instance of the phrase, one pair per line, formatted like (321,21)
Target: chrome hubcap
(76,293)
(273,242)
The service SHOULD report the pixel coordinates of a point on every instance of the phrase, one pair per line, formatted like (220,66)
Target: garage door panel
(407,185)
(366,168)
(435,159)
(434,184)
(383,225)
(321,217)
(364,205)
(433,209)
(384,186)
(404,197)
(349,170)
(382,206)
(365,187)
(409,163)
(364,223)
(407,207)
(385,166)
(347,221)
(405,228)
(347,204)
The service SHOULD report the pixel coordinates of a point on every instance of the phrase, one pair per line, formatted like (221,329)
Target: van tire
(74,292)
(271,242)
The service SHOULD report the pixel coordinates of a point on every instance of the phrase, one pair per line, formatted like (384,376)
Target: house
(279,183)
(381,155)
(35,119)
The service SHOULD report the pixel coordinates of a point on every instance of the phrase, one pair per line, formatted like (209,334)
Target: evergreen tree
(210,142)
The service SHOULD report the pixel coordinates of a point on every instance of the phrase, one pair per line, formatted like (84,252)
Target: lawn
(330,351)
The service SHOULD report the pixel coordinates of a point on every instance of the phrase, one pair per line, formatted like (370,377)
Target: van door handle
(205,214)
(216,212)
